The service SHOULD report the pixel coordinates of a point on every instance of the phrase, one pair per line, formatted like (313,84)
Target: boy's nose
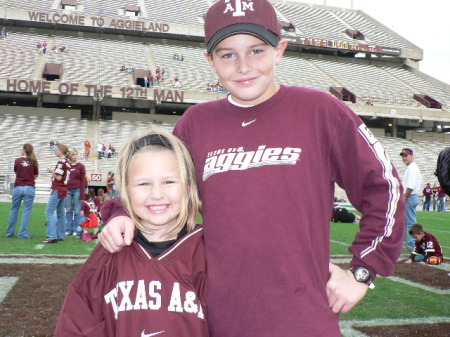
(244,65)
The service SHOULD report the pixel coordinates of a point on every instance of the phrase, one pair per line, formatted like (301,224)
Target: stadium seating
(325,23)
(179,12)
(194,72)
(359,78)
(19,56)
(38,131)
(98,60)
(33,5)
(419,84)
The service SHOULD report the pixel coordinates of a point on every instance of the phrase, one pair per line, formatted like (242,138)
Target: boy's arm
(362,167)
(120,229)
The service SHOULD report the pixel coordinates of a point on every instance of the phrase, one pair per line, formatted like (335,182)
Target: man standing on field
(412,180)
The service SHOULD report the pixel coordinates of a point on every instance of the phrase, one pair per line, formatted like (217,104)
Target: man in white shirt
(412,181)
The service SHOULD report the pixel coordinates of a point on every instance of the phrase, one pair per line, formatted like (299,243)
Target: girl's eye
(144,184)
(168,182)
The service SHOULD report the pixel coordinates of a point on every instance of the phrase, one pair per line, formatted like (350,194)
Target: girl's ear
(210,60)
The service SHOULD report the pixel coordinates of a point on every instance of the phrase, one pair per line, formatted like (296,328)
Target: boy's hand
(343,291)
(408,261)
(118,233)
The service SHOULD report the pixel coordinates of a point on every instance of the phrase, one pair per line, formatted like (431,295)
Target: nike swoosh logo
(143,334)
(247,123)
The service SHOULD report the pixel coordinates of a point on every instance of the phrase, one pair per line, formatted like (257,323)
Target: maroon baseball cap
(406,152)
(229,17)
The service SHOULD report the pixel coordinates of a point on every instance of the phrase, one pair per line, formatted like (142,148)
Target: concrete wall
(33,111)
(428,136)
(124,116)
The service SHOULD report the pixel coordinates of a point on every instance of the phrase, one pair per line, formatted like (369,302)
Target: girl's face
(245,65)
(75,156)
(155,191)
(58,152)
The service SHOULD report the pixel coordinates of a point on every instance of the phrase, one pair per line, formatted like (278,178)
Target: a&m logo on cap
(240,6)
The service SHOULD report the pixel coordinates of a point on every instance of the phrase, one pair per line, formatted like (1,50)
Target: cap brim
(243,28)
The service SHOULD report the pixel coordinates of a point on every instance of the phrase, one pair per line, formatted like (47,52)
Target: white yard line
(6,284)
(348,331)
(419,285)
(431,230)
(43,260)
(340,243)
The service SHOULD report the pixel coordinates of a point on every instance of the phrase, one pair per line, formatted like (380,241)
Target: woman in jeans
(56,224)
(75,194)
(26,169)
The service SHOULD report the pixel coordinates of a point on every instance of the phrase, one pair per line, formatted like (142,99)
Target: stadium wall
(32,111)
(126,116)
(428,136)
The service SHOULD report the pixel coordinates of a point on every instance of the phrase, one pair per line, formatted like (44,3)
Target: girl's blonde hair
(162,141)
(65,150)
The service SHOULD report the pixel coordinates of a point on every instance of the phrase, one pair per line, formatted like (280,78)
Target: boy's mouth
(246,81)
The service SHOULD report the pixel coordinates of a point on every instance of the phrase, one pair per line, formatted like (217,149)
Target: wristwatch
(362,275)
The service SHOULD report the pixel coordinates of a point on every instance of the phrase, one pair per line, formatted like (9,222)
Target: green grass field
(389,300)
(37,229)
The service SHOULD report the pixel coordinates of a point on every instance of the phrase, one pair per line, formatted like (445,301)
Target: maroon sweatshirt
(133,294)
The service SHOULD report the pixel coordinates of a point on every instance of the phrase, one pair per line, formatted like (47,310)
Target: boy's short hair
(226,18)
(416,229)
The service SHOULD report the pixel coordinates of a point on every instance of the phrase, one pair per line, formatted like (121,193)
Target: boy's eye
(257,51)
(227,55)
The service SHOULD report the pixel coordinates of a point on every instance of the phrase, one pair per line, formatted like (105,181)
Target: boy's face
(418,237)
(245,65)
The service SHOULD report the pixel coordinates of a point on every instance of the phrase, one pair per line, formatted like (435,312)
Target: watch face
(362,274)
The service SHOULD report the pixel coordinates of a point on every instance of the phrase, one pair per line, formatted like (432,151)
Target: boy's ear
(209,58)
(282,45)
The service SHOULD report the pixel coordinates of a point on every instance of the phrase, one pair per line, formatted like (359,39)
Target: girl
(26,169)
(156,285)
(56,224)
(75,194)
(112,186)
(89,213)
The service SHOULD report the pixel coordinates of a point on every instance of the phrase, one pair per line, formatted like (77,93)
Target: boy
(427,249)
(267,158)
